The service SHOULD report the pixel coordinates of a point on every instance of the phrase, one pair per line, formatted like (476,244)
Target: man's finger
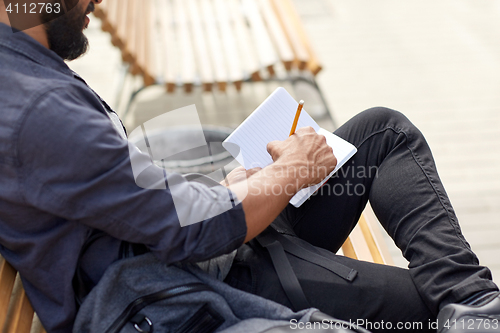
(238,169)
(307,129)
(271,146)
(252,171)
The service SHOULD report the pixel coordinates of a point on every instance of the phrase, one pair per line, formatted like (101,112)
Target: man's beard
(65,33)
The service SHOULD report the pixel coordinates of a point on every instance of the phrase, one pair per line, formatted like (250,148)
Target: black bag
(141,294)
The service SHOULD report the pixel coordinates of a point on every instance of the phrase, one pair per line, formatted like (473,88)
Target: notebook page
(272,120)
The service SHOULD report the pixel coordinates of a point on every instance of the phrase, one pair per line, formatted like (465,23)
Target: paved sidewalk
(437,61)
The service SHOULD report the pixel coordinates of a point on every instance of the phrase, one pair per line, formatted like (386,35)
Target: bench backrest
(207,42)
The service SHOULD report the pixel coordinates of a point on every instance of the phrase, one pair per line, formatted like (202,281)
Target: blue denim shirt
(65,172)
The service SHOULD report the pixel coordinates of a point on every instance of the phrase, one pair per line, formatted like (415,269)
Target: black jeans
(395,170)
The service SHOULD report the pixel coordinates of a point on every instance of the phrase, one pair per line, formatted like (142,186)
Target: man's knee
(377,120)
(388,118)
(382,114)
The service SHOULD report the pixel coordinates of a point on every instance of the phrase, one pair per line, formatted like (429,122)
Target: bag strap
(277,245)
(284,270)
(337,268)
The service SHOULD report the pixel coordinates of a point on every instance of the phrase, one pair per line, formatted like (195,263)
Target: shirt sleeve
(75,166)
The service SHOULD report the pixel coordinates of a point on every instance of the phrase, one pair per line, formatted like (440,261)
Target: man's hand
(305,155)
(301,160)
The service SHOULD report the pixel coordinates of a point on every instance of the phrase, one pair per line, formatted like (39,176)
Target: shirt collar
(24,45)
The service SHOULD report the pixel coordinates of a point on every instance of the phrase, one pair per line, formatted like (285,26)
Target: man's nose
(97,1)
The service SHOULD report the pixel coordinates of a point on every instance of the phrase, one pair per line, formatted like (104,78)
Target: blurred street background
(437,61)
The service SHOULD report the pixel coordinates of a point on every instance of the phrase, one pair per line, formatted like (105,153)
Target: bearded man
(69,202)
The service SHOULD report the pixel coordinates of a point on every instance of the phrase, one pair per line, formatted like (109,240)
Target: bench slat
(301,56)
(168,44)
(278,35)
(246,48)
(153,64)
(348,249)
(371,229)
(370,241)
(21,314)
(112,17)
(360,245)
(102,12)
(16,312)
(366,241)
(133,37)
(145,56)
(235,73)
(7,278)
(123,27)
(311,58)
(215,48)
(265,49)
(186,56)
(200,46)
(118,38)
(140,37)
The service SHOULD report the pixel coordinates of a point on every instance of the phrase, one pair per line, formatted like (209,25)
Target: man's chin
(65,33)
(69,50)
(66,38)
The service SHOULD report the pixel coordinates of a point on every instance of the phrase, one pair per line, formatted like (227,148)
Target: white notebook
(272,120)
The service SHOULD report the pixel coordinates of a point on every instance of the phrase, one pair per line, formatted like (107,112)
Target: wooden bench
(207,43)
(16,313)
(366,241)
